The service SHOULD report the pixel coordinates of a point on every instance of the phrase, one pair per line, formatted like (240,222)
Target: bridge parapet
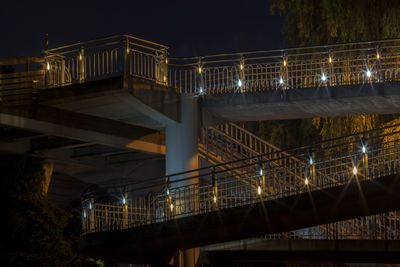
(117,55)
(332,163)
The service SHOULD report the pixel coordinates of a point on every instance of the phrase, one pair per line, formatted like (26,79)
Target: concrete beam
(331,101)
(56,122)
(274,216)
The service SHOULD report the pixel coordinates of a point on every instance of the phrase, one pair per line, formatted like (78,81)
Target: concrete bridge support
(182,155)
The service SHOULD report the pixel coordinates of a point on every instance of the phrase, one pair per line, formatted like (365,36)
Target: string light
(48,66)
(364,149)
(80,56)
(241,66)
(377,55)
(259,190)
(368,73)
(215,199)
(261,171)
(330,59)
(311,161)
(280,81)
(201,90)
(240,83)
(172,207)
(90,205)
(123,201)
(284,63)
(306,181)
(200,70)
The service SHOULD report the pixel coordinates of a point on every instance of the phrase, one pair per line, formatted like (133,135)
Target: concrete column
(182,155)
(48,172)
(181,139)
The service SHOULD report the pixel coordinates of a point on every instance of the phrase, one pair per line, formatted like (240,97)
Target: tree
(34,233)
(316,22)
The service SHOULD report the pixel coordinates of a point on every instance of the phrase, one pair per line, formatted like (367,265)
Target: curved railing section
(335,162)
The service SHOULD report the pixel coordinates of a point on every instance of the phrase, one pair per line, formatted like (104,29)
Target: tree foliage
(317,22)
(34,233)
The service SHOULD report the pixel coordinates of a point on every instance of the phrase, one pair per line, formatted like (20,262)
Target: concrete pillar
(48,172)
(182,155)
(181,139)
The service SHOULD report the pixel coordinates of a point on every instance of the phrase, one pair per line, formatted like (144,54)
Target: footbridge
(120,103)
(341,179)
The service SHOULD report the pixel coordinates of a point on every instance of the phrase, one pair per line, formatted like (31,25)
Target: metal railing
(331,163)
(318,66)
(104,58)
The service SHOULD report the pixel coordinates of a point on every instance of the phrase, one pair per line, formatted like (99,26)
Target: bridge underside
(324,101)
(308,209)
(259,252)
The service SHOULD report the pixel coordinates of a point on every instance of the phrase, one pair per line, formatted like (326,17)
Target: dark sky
(190,28)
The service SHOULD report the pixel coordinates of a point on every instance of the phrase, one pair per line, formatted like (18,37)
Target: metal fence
(335,162)
(319,66)
(104,58)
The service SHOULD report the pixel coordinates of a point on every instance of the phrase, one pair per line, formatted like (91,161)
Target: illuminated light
(201,90)
(280,81)
(306,181)
(330,59)
(259,190)
(284,63)
(127,50)
(261,171)
(364,149)
(48,66)
(241,66)
(200,70)
(123,201)
(80,56)
(311,161)
(84,214)
(323,77)
(172,206)
(90,205)
(368,73)
(166,61)
(355,170)
(240,83)
(215,199)
(165,78)
(167,191)
(377,56)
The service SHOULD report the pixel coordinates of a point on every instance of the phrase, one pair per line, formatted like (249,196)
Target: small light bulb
(240,83)
(48,66)
(363,149)
(377,56)
(330,59)
(215,199)
(90,205)
(166,61)
(280,81)
(127,50)
(84,214)
(123,201)
(323,77)
(261,171)
(201,90)
(355,170)
(200,70)
(259,190)
(172,207)
(80,56)
(284,63)
(306,181)
(167,191)
(165,78)
(368,73)
(241,66)
(311,161)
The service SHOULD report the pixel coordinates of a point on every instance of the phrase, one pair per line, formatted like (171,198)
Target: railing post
(92,224)
(242,77)
(127,58)
(81,64)
(125,222)
(214,188)
(161,62)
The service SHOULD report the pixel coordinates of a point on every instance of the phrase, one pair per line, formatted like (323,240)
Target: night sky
(189,28)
